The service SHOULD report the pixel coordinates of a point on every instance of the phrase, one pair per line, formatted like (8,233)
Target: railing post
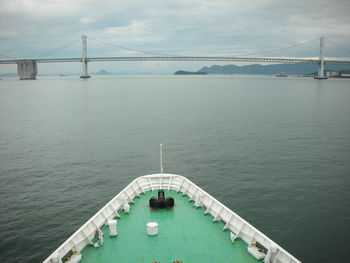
(84,58)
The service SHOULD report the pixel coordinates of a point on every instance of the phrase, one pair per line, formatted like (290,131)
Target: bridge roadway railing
(232,222)
(207,58)
(342,61)
(41,60)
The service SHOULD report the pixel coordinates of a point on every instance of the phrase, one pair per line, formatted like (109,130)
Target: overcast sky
(34,28)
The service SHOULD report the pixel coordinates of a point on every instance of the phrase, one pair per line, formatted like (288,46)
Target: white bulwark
(237,225)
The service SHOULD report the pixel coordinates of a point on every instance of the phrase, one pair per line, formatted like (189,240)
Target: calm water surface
(276,151)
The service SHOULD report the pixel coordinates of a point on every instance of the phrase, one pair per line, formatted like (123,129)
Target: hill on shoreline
(291,69)
(183,72)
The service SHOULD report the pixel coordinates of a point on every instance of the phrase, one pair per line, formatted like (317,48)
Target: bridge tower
(84,59)
(320,74)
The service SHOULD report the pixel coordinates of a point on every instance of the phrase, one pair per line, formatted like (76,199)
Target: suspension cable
(132,49)
(278,49)
(337,45)
(61,48)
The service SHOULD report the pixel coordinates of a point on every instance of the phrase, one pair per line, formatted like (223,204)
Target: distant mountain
(183,72)
(8,75)
(102,72)
(291,69)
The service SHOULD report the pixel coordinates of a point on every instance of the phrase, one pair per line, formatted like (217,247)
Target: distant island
(102,72)
(290,69)
(8,75)
(279,70)
(183,72)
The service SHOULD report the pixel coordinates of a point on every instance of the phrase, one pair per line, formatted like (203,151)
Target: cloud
(86,20)
(217,27)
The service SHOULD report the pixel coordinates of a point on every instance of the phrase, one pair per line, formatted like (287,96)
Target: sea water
(274,150)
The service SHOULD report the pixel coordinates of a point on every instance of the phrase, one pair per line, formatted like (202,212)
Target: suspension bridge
(27,68)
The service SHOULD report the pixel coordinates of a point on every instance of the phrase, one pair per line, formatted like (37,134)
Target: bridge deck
(341,61)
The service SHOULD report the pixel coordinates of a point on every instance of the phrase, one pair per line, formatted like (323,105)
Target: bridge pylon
(320,74)
(84,59)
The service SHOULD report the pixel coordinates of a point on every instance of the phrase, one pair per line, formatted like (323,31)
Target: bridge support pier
(320,74)
(84,60)
(27,69)
(85,74)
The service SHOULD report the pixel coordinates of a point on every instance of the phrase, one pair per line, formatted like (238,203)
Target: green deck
(184,234)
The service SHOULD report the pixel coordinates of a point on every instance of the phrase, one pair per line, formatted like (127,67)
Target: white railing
(237,225)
